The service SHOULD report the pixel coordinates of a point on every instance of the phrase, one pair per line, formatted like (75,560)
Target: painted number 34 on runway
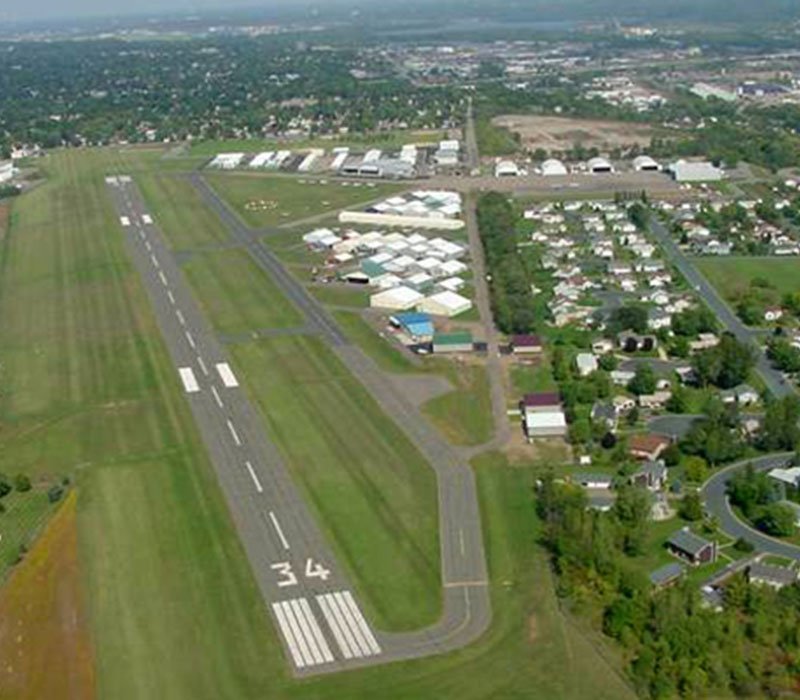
(288,578)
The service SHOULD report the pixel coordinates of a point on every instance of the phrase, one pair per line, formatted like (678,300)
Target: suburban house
(651,475)
(655,401)
(605,414)
(586,363)
(526,345)
(667,575)
(692,548)
(648,446)
(769,575)
(634,342)
(602,346)
(593,481)
(783,479)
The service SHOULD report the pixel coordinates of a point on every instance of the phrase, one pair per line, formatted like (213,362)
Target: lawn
(337,295)
(180,212)
(372,490)
(237,295)
(464,416)
(289,199)
(388,357)
(531,378)
(732,276)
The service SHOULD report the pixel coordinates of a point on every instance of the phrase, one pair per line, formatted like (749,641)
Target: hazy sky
(53,9)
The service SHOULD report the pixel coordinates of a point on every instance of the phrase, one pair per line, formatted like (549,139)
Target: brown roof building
(648,446)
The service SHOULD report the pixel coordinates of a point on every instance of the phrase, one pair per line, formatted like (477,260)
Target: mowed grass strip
(88,389)
(285,198)
(237,295)
(370,487)
(180,212)
(464,416)
(732,276)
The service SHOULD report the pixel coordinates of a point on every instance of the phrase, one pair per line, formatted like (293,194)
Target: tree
(608,362)
(632,512)
(644,381)
(780,430)
(783,355)
(580,432)
(726,365)
(691,507)
(632,317)
(696,469)
(5,486)
(22,483)
(776,519)
(639,215)
(679,402)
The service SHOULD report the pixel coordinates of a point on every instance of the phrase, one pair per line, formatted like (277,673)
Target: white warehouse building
(552,167)
(645,164)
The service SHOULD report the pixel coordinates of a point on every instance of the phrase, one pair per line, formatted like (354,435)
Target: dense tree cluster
(510,279)
(755,494)
(676,646)
(101,91)
(726,365)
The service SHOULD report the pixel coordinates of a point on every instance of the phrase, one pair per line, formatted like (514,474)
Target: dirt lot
(45,650)
(561,134)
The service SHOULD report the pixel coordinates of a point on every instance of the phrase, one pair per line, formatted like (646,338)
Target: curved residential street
(716,501)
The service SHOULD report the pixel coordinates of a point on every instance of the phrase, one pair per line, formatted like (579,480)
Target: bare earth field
(562,133)
(44,638)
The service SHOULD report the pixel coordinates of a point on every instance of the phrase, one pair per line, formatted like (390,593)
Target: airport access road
(306,592)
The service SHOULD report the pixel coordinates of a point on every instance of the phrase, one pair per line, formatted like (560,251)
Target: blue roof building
(416,325)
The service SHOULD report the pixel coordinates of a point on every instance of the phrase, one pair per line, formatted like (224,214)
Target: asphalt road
(772,377)
(717,504)
(307,594)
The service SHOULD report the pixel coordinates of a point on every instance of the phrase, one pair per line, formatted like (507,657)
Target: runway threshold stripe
(189,380)
(339,619)
(124,220)
(338,635)
(227,376)
(298,635)
(327,654)
(352,623)
(286,630)
(362,623)
(311,632)
(279,530)
(147,219)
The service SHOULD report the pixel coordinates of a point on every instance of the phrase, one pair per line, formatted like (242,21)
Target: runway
(309,597)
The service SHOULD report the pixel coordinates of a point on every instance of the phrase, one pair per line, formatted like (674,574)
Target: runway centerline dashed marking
(181,319)
(171,297)
(190,340)
(216,396)
(254,477)
(234,434)
(154,260)
(279,530)
(163,278)
(202,365)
